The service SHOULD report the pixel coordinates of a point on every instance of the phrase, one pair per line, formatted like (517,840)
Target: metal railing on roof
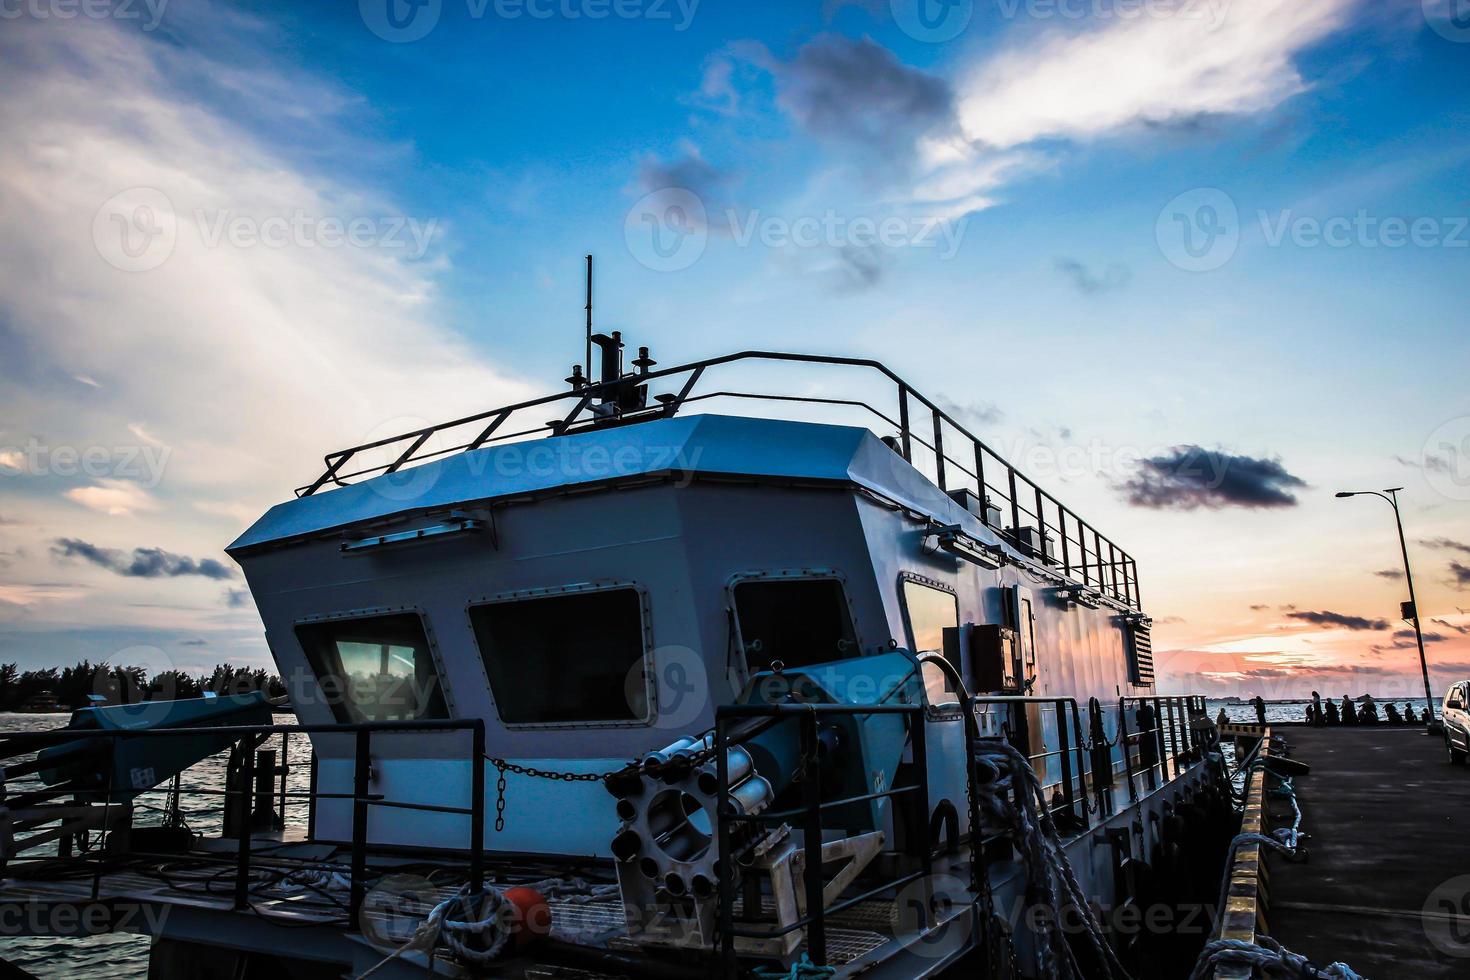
(1009,502)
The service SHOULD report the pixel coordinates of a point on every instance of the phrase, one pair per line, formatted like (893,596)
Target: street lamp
(1391,495)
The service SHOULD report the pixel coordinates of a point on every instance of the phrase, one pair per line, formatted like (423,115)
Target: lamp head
(1346,493)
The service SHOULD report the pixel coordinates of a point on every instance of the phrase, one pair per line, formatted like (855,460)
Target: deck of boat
(1387,886)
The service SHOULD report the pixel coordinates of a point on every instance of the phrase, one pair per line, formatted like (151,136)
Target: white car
(1457,722)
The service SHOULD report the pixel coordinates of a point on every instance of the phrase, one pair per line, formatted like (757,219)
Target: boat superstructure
(717,691)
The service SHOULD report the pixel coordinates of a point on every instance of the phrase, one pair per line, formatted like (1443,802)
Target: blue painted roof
(715,444)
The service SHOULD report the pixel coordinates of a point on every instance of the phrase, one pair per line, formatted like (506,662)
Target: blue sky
(1039,166)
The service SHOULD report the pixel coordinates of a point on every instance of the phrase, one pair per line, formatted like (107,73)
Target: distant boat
(42,702)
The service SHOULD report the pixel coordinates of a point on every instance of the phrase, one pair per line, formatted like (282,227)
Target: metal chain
(504,766)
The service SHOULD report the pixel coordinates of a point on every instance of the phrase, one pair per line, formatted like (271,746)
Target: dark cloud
(1391,573)
(1115,276)
(1405,638)
(1258,606)
(1339,620)
(1190,477)
(236,598)
(142,562)
(1459,575)
(1462,630)
(194,643)
(859,268)
(859,93)
(689,172)
(1445,544)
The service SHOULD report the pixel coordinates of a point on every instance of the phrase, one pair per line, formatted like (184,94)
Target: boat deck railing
(1006,500)
(1082,797)
(36,813)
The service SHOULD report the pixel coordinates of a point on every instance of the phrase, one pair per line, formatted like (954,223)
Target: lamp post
(1391,495)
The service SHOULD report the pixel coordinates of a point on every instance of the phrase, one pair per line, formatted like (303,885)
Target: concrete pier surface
(1387,886)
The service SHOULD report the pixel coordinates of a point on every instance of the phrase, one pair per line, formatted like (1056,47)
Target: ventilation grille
(1141,664)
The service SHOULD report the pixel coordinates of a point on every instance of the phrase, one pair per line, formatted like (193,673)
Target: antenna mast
(588,361)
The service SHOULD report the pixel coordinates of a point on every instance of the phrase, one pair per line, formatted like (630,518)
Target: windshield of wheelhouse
(376,668)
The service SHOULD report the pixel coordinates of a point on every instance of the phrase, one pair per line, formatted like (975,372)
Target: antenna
(588,361)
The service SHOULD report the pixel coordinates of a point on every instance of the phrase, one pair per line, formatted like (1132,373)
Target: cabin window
(573,657)
(799,622)
(932,614)
(378,668)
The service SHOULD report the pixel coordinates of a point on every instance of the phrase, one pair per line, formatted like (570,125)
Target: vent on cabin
(1141,654)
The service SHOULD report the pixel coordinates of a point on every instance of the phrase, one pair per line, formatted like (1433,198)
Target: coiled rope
(1049,874)
(452,922)
(1268,958)
(803,969)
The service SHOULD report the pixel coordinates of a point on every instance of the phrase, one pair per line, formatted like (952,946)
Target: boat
(655,690)
(42,702)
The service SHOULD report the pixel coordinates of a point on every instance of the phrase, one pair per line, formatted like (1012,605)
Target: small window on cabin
(930,613)
(377,668)
(575,657)
(799,622)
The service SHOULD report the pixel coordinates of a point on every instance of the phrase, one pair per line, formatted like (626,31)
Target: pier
(1386,889)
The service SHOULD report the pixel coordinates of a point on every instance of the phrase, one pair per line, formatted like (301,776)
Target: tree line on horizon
(118,684)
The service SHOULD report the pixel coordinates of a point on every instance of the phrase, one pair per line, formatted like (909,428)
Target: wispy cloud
(1088,283)
(141,562)
(1338,620)
(1138,71)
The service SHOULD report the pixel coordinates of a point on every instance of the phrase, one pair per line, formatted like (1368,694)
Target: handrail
(1024,507)
(246,739)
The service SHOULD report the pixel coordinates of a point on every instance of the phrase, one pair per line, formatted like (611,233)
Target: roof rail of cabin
(1007,501)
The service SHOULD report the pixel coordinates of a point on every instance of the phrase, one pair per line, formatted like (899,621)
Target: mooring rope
(1269,958)
(444,924)
(1049,871)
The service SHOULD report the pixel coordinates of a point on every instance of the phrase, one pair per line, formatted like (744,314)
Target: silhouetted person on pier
(1260,706)
(1410,716)
(1333,718)
(1391,712)
(1318,718)
(1349,714)
(1368,712)
(1311,714)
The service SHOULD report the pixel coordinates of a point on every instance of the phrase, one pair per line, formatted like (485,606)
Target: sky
(1193,265)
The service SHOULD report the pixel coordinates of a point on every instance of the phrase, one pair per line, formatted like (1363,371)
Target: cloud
(1405,638)
(858,93)
(142,562)
(1389,573)
(118,498)
(973,414)
(687,171)
(1445,544)
(1460,575)
(1430,464)
(1115,276)
(1462,630)
(194,643)
(236,598)
(1258,606)
(1333,619)
(1144,71)
(1190,477)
